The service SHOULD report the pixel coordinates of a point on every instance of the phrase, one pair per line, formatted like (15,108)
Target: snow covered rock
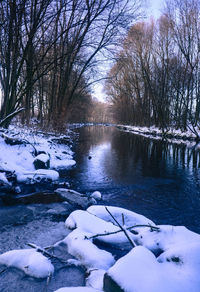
(42,161)
(167,237)
(96,195)
(102,230)
(136,271)
(86,252)
(30,261)
(176,270)
(130,218)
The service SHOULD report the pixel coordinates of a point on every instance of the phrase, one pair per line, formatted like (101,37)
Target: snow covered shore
(172,135)
(28,156)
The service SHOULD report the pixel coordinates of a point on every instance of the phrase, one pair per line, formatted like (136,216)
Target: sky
(153,9)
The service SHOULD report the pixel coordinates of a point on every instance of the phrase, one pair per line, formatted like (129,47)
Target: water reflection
(158,179)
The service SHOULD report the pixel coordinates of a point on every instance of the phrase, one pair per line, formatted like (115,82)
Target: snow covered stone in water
(92,224)
(176,270)
(130,218)
(42,161)
(136,271)
(96,195)
(30,261)
(86,252)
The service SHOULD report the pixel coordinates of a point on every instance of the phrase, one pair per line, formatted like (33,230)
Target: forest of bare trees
(156,77)
(49,52)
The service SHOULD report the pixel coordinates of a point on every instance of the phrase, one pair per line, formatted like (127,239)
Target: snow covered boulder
(29,261)
(166,237)
(176,270)
(99,229)
(130,218)
(86,252)
(42,161)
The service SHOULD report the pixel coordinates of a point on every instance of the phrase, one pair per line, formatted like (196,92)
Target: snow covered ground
(19,160)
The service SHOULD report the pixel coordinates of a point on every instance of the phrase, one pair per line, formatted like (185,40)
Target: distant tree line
(49,50)
(156,77)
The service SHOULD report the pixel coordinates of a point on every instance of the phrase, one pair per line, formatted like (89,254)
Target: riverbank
(30,156)
(171,135)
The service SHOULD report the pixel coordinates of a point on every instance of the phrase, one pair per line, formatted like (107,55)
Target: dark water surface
(157,179)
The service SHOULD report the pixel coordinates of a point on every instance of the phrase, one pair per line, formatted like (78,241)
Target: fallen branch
(122,228)
(10,116)
(153,228)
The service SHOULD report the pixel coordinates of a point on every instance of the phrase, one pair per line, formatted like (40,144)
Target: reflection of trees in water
(152,155)
(91,136)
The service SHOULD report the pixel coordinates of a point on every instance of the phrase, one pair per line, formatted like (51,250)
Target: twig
(123,219)
(3,270)
(122,228)
(43,251)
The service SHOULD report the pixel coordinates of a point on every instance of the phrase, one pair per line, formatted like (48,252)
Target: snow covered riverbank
(28,156)
(172,135)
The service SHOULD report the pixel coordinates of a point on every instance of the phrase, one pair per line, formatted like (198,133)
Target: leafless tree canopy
(49,49)
(156,77)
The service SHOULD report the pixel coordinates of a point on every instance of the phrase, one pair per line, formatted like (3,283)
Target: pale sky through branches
(153,9)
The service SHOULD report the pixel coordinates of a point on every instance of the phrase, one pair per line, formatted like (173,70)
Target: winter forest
(99,145)
(155,79)
(52,52)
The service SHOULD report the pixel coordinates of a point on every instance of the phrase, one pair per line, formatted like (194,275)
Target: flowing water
(156,178)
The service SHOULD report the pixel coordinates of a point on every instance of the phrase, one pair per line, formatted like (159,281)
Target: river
(155,178)
(158,179)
